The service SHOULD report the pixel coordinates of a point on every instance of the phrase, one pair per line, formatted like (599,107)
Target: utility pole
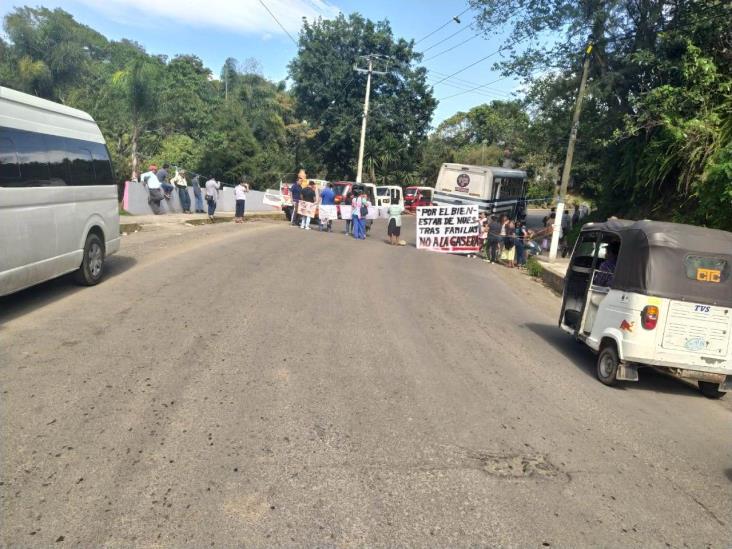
(568,160)
(369,71)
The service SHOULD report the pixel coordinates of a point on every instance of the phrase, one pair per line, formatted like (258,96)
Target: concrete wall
(135,201)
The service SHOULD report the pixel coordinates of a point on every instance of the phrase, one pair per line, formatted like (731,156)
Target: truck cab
(415,196)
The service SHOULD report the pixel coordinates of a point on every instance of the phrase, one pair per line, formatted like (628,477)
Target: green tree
(136,89)
(653,121)
(329,94)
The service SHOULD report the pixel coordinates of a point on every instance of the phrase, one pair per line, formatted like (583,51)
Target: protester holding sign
(327,208)
(308,195)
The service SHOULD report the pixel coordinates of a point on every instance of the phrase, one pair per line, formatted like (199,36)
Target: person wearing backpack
(360,211)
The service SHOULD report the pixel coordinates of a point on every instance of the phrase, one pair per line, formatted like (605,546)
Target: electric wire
(443,25)
(278,22)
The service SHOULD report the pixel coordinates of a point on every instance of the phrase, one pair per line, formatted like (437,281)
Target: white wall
(135,201)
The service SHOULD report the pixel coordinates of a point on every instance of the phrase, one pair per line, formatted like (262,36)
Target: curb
(133,226)
(553,280)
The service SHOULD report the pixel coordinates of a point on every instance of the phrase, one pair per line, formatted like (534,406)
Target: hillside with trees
(655,137)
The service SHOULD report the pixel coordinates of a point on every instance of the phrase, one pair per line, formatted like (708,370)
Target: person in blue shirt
(327,198)
(295,193)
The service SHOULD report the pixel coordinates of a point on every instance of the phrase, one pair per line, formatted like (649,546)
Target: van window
(9,167)
(81,171)
(102,166)
(33,159)
(706,269)
(57,165)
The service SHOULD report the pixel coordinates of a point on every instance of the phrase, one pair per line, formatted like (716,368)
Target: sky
(217,29)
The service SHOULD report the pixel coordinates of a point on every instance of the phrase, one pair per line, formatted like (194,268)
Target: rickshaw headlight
(649,317)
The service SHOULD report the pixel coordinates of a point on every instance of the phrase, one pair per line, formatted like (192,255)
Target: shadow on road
(28,300)
(584,359)
(728,473)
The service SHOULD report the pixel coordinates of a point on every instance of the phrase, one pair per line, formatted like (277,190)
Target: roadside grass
(533,267)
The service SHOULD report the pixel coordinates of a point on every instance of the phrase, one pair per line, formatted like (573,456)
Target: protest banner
(308,209)
(373,213)
(327,213)
(450,229)
(346,211)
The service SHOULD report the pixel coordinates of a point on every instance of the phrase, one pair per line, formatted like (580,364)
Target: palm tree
(138,85)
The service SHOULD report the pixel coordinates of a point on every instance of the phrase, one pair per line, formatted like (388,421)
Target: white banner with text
(449,229)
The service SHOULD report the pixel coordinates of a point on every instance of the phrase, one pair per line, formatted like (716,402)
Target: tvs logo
(463,180)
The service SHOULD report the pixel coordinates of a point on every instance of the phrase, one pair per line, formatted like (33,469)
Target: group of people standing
(160,188)
(304,190)
(503,240)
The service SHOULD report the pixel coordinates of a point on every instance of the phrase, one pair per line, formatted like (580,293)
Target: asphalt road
(264,385)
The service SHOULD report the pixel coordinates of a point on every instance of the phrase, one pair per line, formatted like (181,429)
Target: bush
(533,267)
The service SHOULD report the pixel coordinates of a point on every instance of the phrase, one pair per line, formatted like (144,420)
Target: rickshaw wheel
(710,390)
(607,365)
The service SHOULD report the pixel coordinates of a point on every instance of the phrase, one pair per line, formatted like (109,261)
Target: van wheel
(92,264)
(607,365)
(710,390)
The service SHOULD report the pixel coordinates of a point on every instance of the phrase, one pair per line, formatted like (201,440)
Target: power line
(455,18)
(478,88)
(453,47)
(468,66)
(472,89)
(466,27)
(278,22)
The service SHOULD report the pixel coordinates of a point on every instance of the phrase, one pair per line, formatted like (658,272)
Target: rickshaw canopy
(671,260)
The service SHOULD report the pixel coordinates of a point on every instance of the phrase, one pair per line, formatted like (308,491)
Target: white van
(59,211)
(493,190)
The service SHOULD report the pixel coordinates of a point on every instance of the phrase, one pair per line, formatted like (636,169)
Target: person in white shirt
(181,183)
(240,194)
(212,195)
(155,194)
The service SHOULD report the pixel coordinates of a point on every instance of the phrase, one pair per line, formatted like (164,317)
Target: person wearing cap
(155,195)
(180,182)
(240,194)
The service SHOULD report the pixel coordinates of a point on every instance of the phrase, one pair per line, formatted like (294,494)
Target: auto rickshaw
(647,293)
